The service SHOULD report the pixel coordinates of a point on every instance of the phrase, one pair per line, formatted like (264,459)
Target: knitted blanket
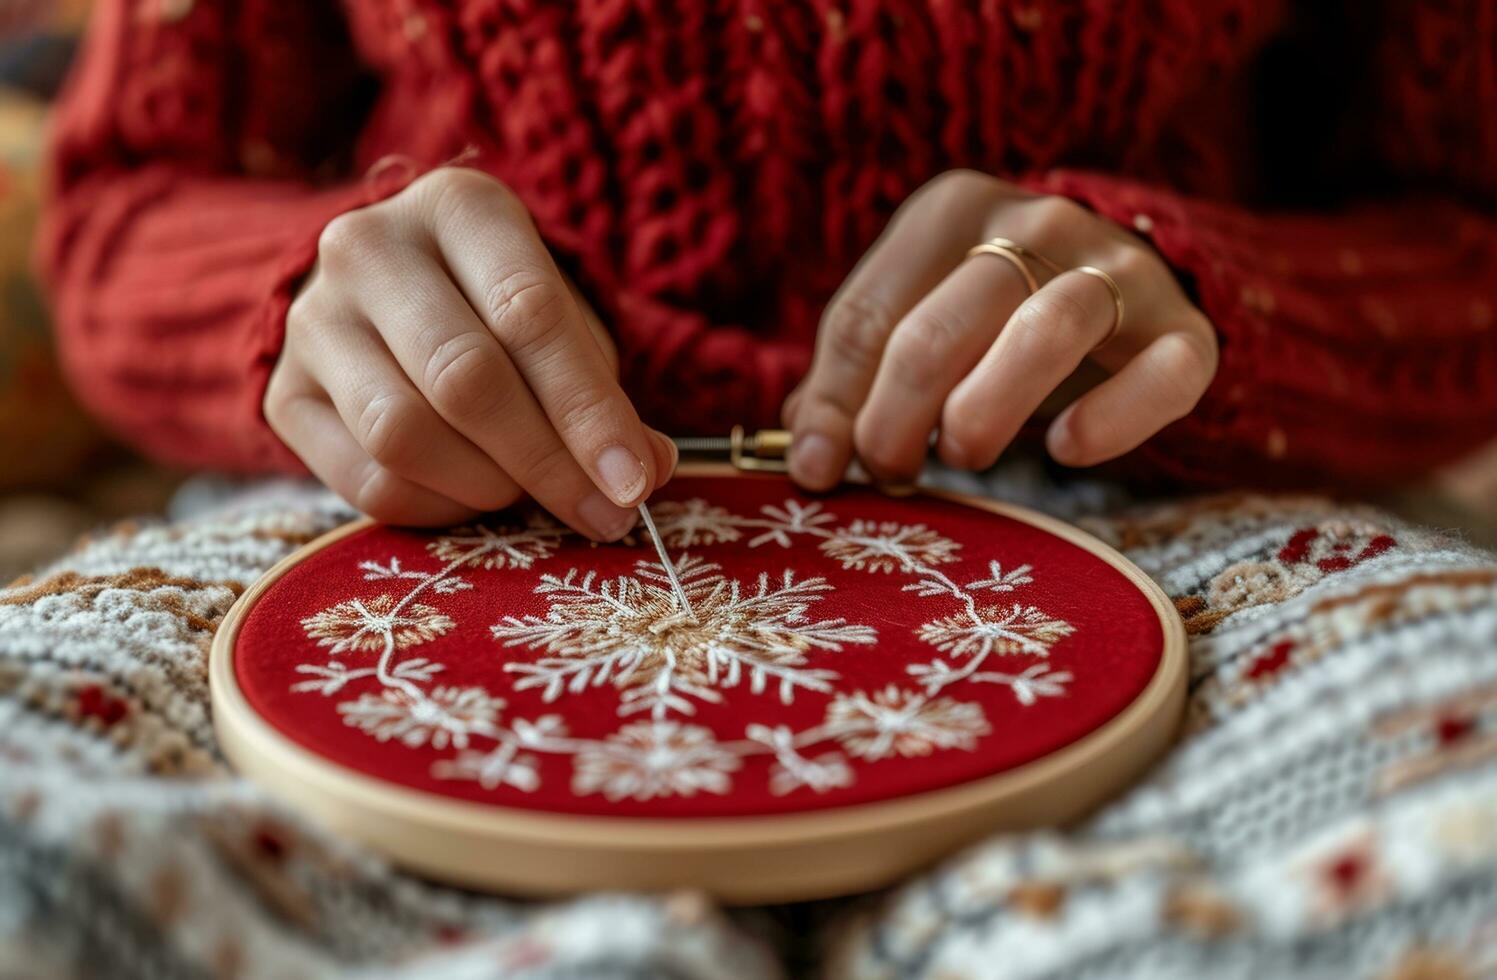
(1331,810)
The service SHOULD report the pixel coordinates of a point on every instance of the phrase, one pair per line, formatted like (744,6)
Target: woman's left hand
(921,336)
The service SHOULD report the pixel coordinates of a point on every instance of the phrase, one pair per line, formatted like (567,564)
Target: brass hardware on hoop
(764,451)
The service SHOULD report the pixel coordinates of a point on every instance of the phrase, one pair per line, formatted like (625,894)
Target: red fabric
(1107,646)
(712,172)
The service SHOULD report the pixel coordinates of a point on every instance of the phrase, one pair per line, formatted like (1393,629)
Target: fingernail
(813,460)
(608,520)
(622,473)
(1059,440)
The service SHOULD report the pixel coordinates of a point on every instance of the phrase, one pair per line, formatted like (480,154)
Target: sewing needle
(665,560)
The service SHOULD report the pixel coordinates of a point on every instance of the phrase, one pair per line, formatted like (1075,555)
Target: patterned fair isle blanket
(1331,811)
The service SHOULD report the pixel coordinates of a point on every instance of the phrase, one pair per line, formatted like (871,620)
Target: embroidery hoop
(747,860)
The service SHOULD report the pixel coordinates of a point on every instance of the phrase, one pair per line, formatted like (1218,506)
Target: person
(443,254)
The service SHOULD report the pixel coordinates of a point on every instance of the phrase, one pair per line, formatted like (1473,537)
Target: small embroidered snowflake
(1035,682)
(792,518)
(649,759)
(371,625)
(632,632)
(448,715)
(684,523)
(491,770)
(791,770)
(996,629)
(510,545)
(887,546)
(895,721)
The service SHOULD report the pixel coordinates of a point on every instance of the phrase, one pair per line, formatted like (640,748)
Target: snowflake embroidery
(502,767)
(633,633)
(500,546)
(1016,629)
(792,770)
(887,546)
(895,721)
(447,715)
(793,518)
(688,523)
(368,626)
(654,758)
(671,639)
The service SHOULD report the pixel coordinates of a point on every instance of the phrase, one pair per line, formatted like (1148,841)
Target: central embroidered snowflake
(633,632)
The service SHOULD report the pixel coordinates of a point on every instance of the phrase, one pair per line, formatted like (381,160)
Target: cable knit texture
(712,171)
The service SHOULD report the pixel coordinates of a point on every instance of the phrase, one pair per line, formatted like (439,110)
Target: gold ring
(1117,299)
(1009,255)
(1027,253)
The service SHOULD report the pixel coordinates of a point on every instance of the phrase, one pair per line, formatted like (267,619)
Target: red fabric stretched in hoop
(307,655)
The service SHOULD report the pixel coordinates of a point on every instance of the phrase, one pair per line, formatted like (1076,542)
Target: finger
(393,422)
(787,410)
(344,467)
(666,455)
(926,239)
(1161,384)
(498,260)
(1042,343)
(931,350)
(461,370)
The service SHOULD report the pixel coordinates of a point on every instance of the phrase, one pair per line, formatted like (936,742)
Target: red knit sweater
(710,171)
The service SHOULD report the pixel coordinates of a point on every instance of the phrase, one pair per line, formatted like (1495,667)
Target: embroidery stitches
(631,633)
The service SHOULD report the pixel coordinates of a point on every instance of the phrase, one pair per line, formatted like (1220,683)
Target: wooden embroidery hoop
(740,860)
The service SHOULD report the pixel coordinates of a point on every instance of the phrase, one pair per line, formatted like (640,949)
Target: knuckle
(580,412)
(541,462)
(277,402)
(960,184)
(858,325)
(349,237)
(456,188)
(460,376)
(825,407)
(1052,211)
(277,409)
(526,308)
(1133,264)
(922,344)
(380,494)
(1050,323)
(387,429)
(967,429)
(878,453)
(302,311)
(972,439)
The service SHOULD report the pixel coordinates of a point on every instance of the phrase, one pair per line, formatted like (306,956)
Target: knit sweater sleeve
(1356,346)
(183,214)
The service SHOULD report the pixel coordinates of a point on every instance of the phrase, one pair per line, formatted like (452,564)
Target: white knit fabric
(1331,811)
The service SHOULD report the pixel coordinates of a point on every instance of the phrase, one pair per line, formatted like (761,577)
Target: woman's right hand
(438,364)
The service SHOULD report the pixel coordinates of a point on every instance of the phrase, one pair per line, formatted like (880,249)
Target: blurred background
(60,475)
